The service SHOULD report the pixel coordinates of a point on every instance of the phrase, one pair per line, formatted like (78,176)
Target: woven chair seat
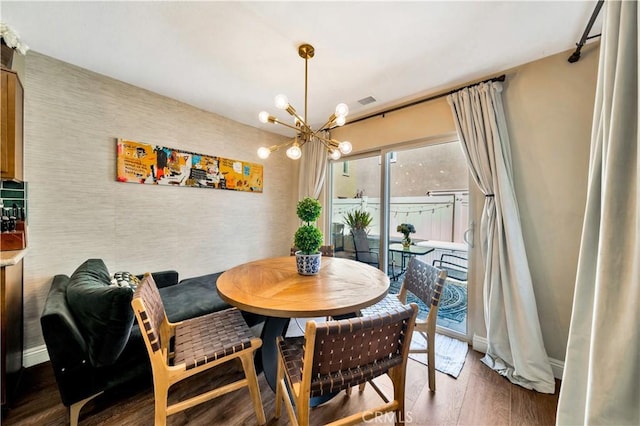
(210,337)
(389,304)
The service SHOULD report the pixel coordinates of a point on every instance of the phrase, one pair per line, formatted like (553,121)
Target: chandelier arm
(302,122)
(286,125)
(326,125)
(282,145)
(326,142)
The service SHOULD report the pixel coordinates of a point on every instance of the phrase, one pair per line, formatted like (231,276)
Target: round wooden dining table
(273,288)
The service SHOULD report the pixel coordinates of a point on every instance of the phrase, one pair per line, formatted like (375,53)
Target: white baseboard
(35,356)
(479,344)
(557,366)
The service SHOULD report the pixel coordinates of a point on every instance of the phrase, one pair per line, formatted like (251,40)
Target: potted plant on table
(308,237)
(406,229)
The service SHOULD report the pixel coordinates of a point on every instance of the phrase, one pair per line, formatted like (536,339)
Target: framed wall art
(158,165)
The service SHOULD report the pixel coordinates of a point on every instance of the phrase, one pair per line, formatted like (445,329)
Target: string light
(396,211)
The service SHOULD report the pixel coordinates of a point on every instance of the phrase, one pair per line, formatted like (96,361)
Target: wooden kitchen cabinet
(12,329)
(11,130)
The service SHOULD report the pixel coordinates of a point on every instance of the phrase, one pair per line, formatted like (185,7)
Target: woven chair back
(351,351)
(424,281)
(153,313)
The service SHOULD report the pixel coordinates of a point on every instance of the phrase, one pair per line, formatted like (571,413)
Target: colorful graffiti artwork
(143,163)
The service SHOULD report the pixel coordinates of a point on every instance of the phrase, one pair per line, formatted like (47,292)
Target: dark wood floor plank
(532,408)
(487,400)
(443,406)
(478,397)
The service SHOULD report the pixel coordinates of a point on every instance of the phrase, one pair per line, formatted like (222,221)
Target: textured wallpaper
(78,210)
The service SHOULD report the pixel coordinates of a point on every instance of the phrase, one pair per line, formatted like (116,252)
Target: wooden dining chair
(180,350)
(426,283)
(337,355)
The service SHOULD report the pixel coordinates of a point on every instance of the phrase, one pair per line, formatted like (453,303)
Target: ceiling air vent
(367,100)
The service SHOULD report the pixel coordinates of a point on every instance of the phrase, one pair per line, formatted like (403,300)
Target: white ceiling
(232,58)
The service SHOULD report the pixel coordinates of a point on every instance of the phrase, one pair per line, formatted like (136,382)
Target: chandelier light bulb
(264,152)
(342,110)
(345,147)
(334,154)
(263,117)
(282,102)
(340,120)
(294,152)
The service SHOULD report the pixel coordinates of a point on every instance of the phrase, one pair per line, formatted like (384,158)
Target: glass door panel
(355,190)
(428,188)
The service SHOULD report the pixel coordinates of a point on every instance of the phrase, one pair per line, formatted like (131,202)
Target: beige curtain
(514,340)
(313,169)
(601,381)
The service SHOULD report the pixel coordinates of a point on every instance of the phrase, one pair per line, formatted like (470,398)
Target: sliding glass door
(420,187)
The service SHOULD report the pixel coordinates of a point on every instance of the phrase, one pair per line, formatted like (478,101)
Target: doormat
(450,353)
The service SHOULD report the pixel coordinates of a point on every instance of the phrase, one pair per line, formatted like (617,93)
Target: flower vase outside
(406,241)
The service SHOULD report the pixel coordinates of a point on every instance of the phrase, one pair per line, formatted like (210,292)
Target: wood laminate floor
(478,397)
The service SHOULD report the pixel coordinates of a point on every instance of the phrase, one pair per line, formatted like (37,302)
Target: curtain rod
(430,98)
(575,56)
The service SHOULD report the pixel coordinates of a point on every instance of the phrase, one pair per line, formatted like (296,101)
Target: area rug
(450,353)
(453,302)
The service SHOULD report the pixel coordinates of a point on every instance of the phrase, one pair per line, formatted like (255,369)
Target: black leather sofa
(93,340)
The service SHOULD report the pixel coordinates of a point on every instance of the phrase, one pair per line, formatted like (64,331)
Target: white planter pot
(308,264)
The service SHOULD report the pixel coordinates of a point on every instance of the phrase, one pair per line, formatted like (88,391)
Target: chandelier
(304,132)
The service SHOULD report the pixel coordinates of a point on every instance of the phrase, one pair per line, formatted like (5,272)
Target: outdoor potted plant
(308,237)
(358,219)
(406,229)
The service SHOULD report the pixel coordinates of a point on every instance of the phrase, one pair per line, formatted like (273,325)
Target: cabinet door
(12,327)
(11,126)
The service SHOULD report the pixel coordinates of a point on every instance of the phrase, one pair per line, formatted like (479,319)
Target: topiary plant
(308,237)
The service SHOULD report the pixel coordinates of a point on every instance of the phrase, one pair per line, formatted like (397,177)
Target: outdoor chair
(363,252)
(426,283)
(456,266)
(182,349)
(337,355)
